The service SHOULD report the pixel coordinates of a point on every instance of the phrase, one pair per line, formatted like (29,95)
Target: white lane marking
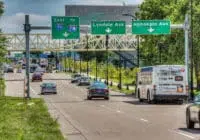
(102,105)
(144,120)
(118,111)
(183,134)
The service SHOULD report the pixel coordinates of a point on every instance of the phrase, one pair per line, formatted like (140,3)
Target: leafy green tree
(175,10)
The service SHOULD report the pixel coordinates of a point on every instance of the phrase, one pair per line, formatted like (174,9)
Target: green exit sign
(108,27)
(151,27)
(65,27)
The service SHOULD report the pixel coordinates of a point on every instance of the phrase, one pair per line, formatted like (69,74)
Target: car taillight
(92,90)
(154,87)
(106,90)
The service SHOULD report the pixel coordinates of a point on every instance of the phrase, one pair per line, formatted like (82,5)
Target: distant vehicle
(36,77)
(43,62)
(75,78)
(40,70)
(193,113)
(98,90)
(162,82)
(9,69)
(19,70)
(48,88)
(84,81)
(33,67)
(23,66)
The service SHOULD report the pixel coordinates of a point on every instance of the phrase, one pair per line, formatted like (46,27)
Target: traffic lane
(94,105)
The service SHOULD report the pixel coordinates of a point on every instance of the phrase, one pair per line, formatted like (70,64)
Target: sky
(40,11)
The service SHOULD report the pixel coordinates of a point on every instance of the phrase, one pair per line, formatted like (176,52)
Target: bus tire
(140,100)
(148,97)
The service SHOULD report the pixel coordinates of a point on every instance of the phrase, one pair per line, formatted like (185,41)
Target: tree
(175,11)
(2,39)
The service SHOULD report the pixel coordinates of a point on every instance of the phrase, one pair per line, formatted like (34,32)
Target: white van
(162,82)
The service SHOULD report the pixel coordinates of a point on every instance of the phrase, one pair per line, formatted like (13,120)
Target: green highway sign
(18,55)
(151,27)
(108,27)
(65,27)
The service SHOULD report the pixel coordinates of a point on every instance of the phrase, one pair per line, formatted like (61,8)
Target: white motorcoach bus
(162,82)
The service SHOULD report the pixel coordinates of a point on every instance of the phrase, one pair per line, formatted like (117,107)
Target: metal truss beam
(43,42)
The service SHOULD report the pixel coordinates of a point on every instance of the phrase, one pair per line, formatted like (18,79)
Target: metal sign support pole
(186,29)
(27,29)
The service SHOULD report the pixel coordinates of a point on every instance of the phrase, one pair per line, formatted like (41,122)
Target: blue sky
(41,11)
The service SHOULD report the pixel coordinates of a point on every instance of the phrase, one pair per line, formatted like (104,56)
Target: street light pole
(87,55)
(107,38)
(192,50)
(27,29)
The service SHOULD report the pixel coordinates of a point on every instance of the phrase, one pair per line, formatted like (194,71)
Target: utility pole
(27,29)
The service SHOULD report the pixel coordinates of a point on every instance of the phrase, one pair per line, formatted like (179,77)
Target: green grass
(196,92)
(123,90)
(21,121)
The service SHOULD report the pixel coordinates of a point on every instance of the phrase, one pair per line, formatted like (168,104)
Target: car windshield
(49,85)
(84,78)
(98,85)
(197,98)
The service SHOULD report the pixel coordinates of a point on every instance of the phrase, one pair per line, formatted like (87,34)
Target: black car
(98,90)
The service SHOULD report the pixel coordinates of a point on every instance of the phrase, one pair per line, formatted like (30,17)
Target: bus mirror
(140,82)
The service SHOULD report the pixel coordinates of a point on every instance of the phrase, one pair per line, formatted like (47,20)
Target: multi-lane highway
(120,118)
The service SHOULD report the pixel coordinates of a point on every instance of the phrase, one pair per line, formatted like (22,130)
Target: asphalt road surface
(120,118)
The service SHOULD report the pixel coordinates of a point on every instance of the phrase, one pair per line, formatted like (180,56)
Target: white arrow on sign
(108,30)
(65,34)
(150,29)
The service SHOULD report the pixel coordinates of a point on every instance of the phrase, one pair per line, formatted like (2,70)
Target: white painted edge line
(183,134)
(118,111)
(144,120)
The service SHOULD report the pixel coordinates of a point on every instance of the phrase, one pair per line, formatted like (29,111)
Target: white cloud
(14,23)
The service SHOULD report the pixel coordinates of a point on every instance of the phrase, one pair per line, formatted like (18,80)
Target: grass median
(27,120)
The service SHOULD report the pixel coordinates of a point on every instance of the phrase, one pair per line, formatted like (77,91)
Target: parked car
(36,77)
(193,113)
(98,90)
(48,88)
(75,78)
(84,81)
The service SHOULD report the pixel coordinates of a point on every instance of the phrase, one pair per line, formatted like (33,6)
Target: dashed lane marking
(183,134)
(144,120)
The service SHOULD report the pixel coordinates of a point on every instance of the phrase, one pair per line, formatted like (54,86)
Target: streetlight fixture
(138,38)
